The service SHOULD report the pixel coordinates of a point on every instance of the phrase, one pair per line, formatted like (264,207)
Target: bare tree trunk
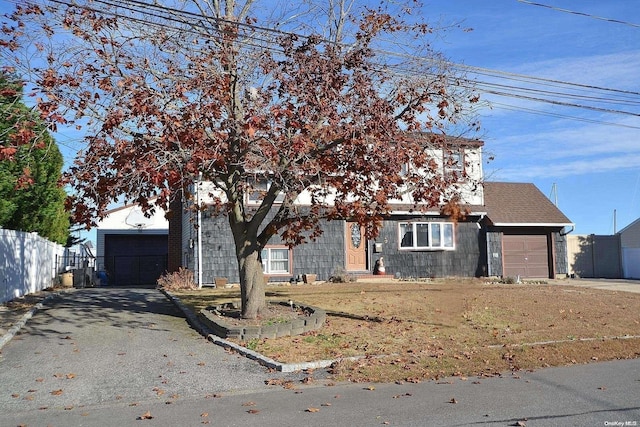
(252,284)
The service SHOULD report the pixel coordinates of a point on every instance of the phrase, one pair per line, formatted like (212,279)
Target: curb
(4,340)
(250,354)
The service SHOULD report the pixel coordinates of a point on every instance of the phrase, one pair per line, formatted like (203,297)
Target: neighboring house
(630,248)
(131,248)
(510,230)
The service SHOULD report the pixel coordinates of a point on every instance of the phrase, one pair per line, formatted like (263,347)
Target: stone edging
(314,320)
(195,322)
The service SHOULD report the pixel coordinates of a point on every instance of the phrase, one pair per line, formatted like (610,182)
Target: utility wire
(615,21)
(169,14)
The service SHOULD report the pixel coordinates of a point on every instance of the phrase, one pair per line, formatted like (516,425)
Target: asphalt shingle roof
(509,203)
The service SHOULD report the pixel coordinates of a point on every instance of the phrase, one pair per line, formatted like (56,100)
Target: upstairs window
(454,164)
(276,260)
(258,191)
(426,235)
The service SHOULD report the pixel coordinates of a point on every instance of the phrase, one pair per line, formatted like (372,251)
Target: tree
(31,198)
(228,92)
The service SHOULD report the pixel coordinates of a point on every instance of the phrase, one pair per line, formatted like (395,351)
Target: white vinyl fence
(28,263)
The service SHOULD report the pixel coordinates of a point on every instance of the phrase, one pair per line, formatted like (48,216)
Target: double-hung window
(276,260)
(454,164)
(258,190)
(426,236)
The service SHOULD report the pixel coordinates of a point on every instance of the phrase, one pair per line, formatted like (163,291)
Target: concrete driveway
(623,285)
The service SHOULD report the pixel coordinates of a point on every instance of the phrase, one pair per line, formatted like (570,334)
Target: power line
(560,116)
(170,15)
(615,21)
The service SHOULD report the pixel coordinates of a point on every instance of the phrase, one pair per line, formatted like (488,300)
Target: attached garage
(525,256)
(526,234)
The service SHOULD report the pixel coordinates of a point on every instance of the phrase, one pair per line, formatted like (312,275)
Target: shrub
(178,280)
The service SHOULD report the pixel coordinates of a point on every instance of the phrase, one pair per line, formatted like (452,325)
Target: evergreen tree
(31,198)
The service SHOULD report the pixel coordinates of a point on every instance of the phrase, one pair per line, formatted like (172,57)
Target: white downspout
(199,183)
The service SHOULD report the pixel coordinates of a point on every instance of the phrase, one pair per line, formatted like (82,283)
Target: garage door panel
(525,256)
(134,259)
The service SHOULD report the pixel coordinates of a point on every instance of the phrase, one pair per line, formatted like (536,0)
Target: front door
(356,247)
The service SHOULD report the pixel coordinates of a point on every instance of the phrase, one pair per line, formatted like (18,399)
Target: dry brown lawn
(412,331)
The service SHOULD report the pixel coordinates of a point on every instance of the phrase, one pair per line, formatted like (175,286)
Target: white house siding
(116,223)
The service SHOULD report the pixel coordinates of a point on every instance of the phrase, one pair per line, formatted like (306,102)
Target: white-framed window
(276,260)
(259,189)
(426,235)
(454,163)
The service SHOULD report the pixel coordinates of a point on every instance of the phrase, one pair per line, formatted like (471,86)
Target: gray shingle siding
(323,256)
(218,250)
(494,253)
(320,257)
(562,260)
(326,254)
(466,260)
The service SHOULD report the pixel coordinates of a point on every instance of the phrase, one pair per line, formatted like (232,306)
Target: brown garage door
(525,256)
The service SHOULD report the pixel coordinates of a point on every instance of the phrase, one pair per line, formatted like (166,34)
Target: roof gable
(521,204)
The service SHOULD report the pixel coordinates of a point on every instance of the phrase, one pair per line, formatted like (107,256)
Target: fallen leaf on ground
(57,392)
(146,416)
(249,404)
(253,411)
(453,400)
(313,410)
(204,414)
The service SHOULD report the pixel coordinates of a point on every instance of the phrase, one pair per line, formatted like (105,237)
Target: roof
(521,204)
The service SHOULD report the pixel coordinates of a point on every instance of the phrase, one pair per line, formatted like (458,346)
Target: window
(426,235)
(259,189)
(275,260)
(454,164)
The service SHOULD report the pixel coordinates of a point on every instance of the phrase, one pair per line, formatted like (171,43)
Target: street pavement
(128,357)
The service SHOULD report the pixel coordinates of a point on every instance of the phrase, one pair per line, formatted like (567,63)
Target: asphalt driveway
(92,346)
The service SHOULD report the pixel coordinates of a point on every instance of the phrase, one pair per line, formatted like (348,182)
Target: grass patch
(412,331)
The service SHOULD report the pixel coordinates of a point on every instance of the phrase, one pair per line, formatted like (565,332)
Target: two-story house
(509,229)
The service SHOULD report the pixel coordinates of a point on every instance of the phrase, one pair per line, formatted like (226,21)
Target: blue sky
(591,158)
(586,159)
